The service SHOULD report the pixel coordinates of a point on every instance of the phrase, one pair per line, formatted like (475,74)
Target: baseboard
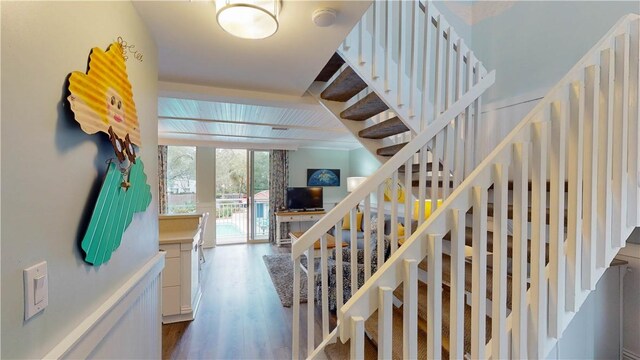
(628,355)
(108,333)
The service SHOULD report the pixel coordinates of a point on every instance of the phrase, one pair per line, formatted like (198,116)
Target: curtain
(162,179)
(278,182)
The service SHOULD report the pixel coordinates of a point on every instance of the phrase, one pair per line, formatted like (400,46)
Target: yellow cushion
(400,230)
(427,208)
(346,221)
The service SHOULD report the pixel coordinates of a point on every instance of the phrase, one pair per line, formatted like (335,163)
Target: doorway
(242,196)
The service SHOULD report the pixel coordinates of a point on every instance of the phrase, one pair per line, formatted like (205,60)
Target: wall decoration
(102,101)
(129,49)
(323,177)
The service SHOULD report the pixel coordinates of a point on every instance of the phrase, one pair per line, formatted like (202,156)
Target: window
(181,179)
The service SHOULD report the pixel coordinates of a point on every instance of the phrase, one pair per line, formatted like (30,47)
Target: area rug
(280,267)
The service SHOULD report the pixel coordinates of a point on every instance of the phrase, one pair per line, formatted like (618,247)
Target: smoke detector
(324,17)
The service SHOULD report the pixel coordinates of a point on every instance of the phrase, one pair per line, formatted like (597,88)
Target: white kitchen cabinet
(181,290)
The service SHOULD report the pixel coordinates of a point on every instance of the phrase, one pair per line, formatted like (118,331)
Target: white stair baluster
(295,328)
(366,228)
(620,134)
(310,301)
(499,281)
(520,243)
(468,122)
(385,322)
(357,338)
(380,233)
(590,177)
(353,244)
(394,211)
(557,166)
(434,296)
(575,196)
(410,310)
(422,183)
(324,268)
(408,208)
(605,146)
(634,127)
(479,273)
(457,284)
(538,290)
(426,59)
(339,271)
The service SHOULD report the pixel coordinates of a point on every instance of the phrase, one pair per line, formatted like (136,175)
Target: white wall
(302,159)
(594,332)
(51,169)
(532,45)
(206,189)
(362,163)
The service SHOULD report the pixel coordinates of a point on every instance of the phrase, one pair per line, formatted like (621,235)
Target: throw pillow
(346,221)
(400,230)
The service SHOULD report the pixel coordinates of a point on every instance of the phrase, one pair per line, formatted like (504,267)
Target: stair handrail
(365,301)
(385,171)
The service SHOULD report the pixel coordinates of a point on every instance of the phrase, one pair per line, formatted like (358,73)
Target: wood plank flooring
(240,315)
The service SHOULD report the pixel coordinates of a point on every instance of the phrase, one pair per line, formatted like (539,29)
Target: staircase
(521,238)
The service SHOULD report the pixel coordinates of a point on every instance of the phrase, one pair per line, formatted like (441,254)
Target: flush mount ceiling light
(248,19)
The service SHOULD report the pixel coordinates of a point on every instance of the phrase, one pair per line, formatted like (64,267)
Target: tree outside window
(181,179)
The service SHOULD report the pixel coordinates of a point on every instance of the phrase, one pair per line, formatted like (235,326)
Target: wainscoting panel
(127,326)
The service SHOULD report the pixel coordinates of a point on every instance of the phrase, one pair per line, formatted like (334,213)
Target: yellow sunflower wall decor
(102,101)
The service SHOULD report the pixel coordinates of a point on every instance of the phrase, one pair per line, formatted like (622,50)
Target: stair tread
(330,68)
(371,328)
(344,87)
(446,316)
(390,150)
(384,129)
(365,108)
(371,325)
(340,351)
(490,209)
(415,168)
(469,242)
(446,277)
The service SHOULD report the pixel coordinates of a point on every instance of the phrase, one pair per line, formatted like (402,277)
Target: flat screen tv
(304,198)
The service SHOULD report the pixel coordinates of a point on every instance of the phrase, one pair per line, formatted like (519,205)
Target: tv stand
(288,216)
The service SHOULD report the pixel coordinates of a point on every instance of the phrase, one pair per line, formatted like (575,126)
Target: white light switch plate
(36,289)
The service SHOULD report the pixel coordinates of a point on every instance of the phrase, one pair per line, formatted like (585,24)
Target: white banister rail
(594,106)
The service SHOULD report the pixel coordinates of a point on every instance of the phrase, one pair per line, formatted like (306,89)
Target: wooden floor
(240,316)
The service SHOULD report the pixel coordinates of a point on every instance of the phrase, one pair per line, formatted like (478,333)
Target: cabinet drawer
(173,250)
(171,272)
(171,300)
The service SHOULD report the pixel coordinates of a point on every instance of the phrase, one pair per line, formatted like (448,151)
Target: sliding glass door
(242,196)
(259,198)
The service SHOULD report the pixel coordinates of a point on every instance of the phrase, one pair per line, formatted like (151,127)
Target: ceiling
(184,121)
(215,79)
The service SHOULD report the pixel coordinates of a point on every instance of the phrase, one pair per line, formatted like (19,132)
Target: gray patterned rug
(280,267)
